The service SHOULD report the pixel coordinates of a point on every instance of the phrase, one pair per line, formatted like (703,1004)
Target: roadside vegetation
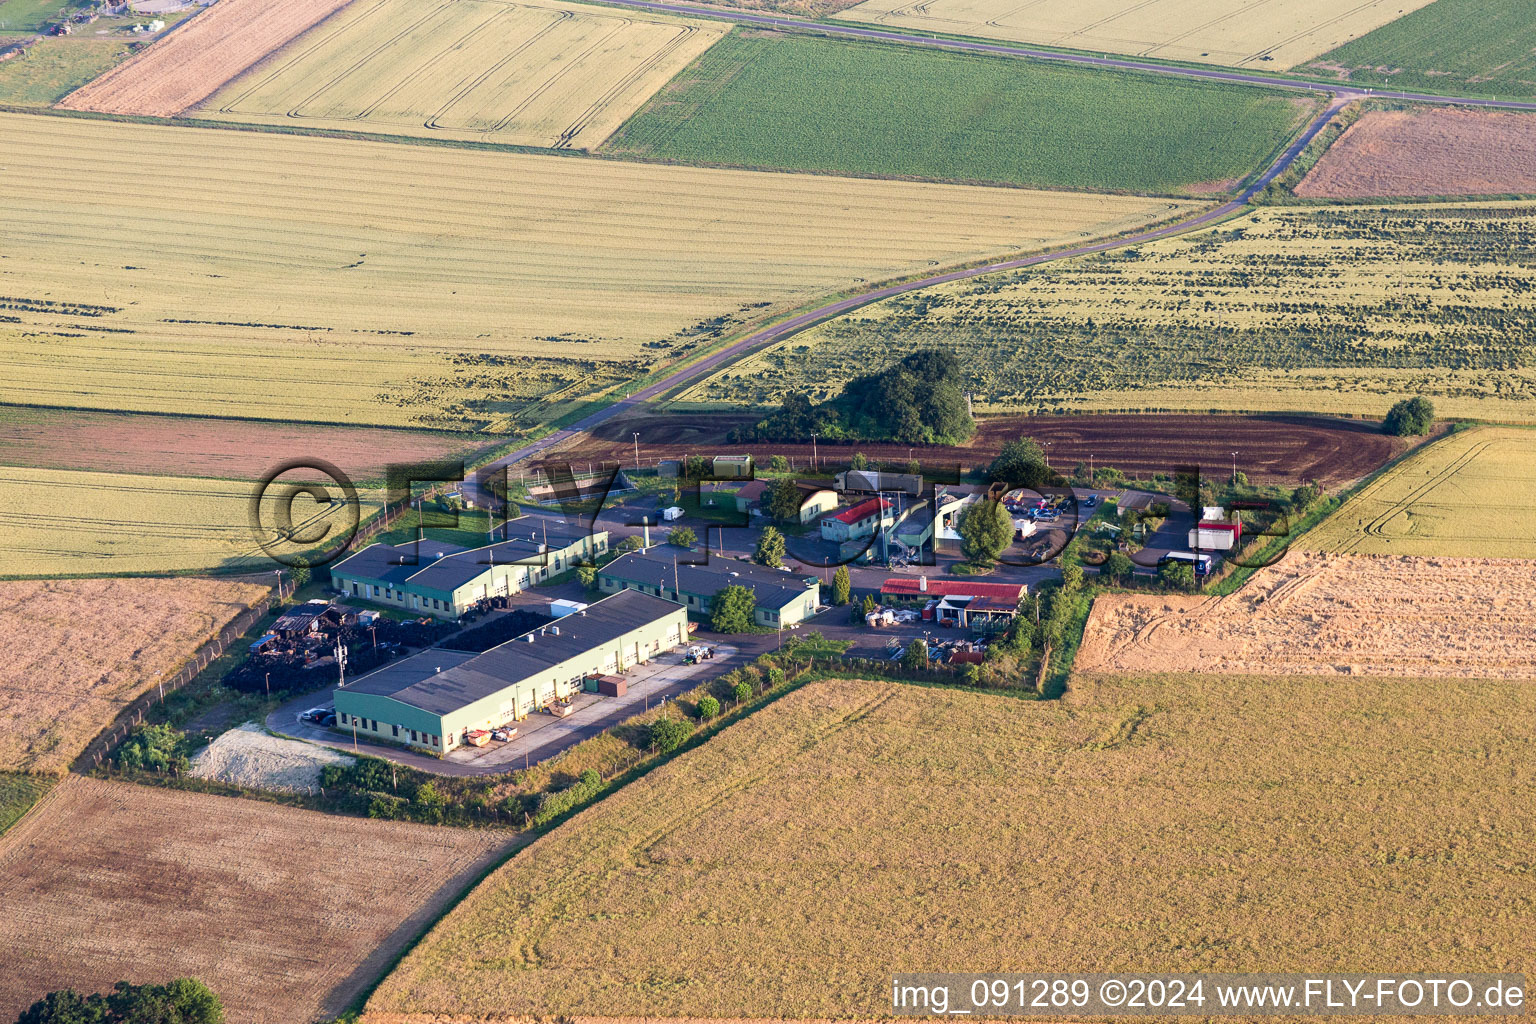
(961,117)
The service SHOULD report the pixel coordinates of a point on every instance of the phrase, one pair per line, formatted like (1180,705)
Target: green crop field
(1320,310)
(22,16)
(1481,47)
(897,110)
(18,792)
(1466,495)
(55,66)
(786,868)
(67,523)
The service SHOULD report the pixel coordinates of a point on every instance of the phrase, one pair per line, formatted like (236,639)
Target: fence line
(205,655)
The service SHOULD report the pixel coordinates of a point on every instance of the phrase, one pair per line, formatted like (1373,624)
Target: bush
(154,748)
(778,464)
(183,1001)
(1117,568)
(708,707)
(553,805)
(742,692)
(682,537)
(667,734)
(916,654)
(1411,416)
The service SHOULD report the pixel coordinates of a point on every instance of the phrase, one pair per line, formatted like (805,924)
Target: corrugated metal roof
(863,510)
(906,586)
(438,565)
(772,588)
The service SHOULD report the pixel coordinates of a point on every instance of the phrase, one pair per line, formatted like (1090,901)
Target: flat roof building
(431,699)
(856,521)
(783,598)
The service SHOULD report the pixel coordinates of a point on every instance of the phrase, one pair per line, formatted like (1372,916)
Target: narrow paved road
(786,328)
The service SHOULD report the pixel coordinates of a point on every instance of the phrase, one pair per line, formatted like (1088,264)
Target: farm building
(873,481)
(430,700)
(732,467)
(857,521)
(783,598)
(1215,535)
(1133,501)
(985,607)
(815,499)
(445,580)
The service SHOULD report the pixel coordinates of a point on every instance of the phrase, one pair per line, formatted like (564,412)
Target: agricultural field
(848,830)
(1476,47)
(1316,614)
(56,66)
(1332,310)
(399,285)
(962,117)
(18,792)
(559,74)
(184,67)
(69,523)
(1272,449)
(1467,495)
(99,644)
(1254,34)
(200,447)
(1429,151)
(287,915)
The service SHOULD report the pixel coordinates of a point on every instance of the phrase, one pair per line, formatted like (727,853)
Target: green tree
(587,574)
(667,734)
(695,467)
(778,464)
(634,542)
(182,1001)
(1303,496)
(301,574)
(682,537)
(1411,416)
(770,548)
(986,529)
(742,691)
(916,654)
(842,586)
(1117,567)
(782,500)
(709,707)
(1020,463)
(1177,576)
(858,462)
(730,611)
(65,1007)
(1071,577)
(861,612)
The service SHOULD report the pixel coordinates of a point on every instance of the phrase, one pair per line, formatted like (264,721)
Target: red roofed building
(982,606)
(856,521)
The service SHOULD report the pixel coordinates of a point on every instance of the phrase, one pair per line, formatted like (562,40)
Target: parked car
(328,719)
(314,714)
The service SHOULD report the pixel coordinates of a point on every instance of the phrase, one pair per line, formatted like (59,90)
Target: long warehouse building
(430,700)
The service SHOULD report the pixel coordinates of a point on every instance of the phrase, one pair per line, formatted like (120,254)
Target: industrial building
(783,598)
(984,607)
(445,580)
(857,521)
(430,700)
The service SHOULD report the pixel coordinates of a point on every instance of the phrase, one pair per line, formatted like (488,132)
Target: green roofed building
(783,598)
(430,700)
(445,580)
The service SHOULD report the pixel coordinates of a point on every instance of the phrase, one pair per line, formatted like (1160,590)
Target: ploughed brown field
(1270,449)
(286,914)
(77,651)
(1429,152)
(188,65)
(1318,614)
(207,447)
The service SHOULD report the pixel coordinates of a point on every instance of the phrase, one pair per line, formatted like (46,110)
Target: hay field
(1432,151)
(1468,494)
(387,284)
(1241,33)
(1331,615)
(1331,310)
(852,830)
(69,523)
(78,650)
(551,74)
(286,914)
(184,67)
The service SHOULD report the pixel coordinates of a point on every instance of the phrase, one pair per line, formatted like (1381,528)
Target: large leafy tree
(782,500)
(1020,463)
(1411,416)
(183,1001)
(730,611)
(986,529)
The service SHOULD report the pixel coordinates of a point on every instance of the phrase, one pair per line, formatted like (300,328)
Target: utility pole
(269,684)
(813,453)
(637,450)
(1234,468)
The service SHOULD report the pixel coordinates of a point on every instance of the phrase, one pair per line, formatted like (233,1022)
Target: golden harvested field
(286,914)
(1318,309)
(1433,151)
(1468,494)
(186,66)
(327,280)
(1260,34)
(852,830)
(554,74)
(78,650)
(67,523)
(1375,615)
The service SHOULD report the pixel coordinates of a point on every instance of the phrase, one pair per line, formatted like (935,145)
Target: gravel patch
(247,756)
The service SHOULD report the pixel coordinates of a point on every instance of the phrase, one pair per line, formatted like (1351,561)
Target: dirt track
(1284,449)
(1316,614)
(187,65)
(1431,152)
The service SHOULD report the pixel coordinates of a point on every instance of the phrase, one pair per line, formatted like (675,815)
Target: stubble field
(77,651)
(386,284)
(1243,33)
(286,914)
(1467,495)
(1331,615)
(1330,310)
(1434,151)
(1122,828)
(559,74)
